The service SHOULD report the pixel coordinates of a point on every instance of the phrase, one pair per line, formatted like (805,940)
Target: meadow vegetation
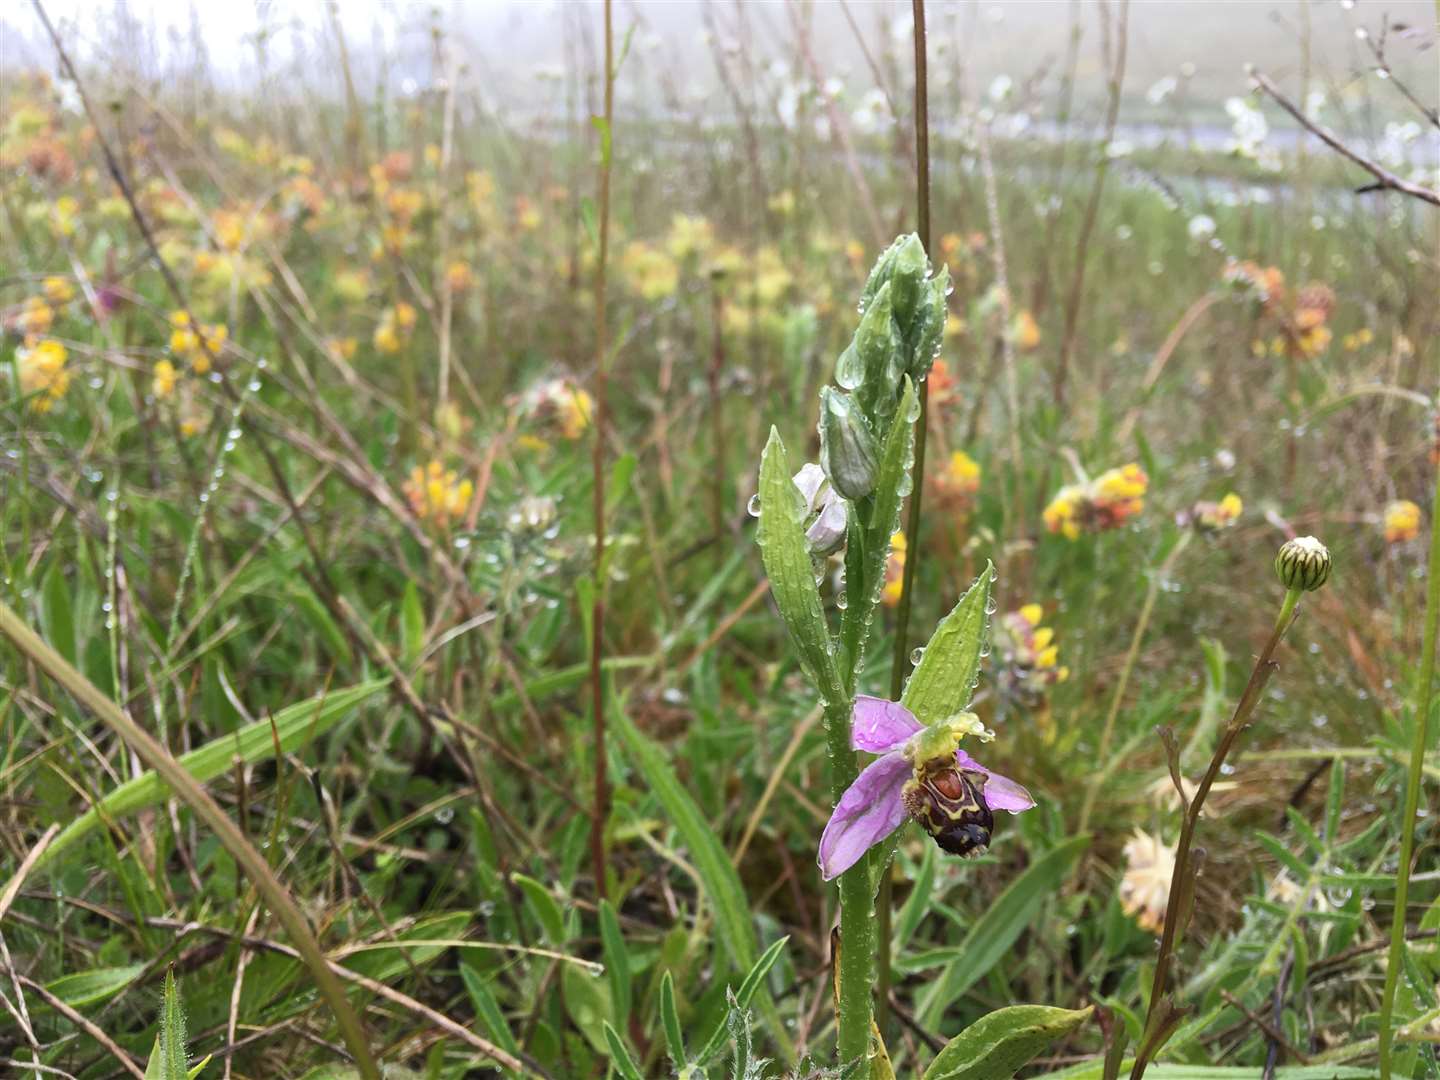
(305,633)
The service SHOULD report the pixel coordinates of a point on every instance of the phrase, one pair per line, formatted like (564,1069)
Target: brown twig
(1266,1028)
(79,1020)
(1385,180)
(1077,283)
(601,809)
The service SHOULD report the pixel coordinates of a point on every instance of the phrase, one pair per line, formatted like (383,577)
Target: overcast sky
(505,43)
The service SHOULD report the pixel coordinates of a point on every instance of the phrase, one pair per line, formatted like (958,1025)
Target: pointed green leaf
(944,680)
(892,484)
(412,622)
(59,618)
(295,725)
(82,988)
(788,565)
(620,1055)
(997,1045)
(670,1021)
(742,997)
(617,961)
(712,862)
(587,1001)
(487,1010)
(167,1058)
(543,906)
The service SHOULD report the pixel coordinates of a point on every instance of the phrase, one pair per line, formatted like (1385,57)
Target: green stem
(900,659)
(1170,936)
(1141,625)
(857,929)
(1424,699)
(207,810)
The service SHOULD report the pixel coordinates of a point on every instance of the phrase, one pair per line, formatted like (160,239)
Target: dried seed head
(1303,563)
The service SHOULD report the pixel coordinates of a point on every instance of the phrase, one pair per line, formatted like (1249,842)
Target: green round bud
(847,448)
(1303,563)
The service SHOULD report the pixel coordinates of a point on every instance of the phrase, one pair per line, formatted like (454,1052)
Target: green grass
(392,707)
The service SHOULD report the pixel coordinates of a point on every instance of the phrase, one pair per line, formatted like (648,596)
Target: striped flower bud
(1303,563)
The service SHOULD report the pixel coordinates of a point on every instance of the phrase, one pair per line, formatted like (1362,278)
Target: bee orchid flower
(921,773)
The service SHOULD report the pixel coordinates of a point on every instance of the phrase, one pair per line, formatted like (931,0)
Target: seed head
(1303,563)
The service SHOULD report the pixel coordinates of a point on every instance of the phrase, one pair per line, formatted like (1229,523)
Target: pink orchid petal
(869,811)
(1001,793)
(879,726)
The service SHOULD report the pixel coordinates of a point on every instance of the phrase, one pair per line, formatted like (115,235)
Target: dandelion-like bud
(847,446)
(1303,563)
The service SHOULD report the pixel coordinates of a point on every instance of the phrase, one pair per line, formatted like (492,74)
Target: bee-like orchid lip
(874,805)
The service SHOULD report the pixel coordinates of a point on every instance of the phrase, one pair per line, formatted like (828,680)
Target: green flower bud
(929,326)
(875,339)
(1303,563)
(907,279)
(847,446)
(880,274)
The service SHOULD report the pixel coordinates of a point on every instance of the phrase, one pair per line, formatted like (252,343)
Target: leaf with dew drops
(948,667)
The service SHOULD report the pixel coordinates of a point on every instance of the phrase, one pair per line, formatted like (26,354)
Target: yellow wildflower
(1106,502)
(956,484)
(458,276)
(783,203)
(63,217)
(690,236)
(352,286)
(43,377)
(387,338)
(1025,331)
(437,494)
(1027,657)
(894,571)
(1402,521)
(1358,340)
(527,215)
(651,273)
(35,316)
(772,279)
(196,345)
(164,379)
(341,348)
(58,290)
(229,229)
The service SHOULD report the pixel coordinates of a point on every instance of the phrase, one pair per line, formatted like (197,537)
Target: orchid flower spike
(921,773)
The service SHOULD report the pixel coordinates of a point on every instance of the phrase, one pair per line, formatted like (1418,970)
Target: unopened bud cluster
(901,327)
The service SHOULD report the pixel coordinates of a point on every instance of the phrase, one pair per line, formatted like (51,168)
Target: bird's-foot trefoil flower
(922,774)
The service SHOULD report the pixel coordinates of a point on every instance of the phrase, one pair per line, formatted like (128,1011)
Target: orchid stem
(900,659)
(857,929)
(1424,700)
(1170,936)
